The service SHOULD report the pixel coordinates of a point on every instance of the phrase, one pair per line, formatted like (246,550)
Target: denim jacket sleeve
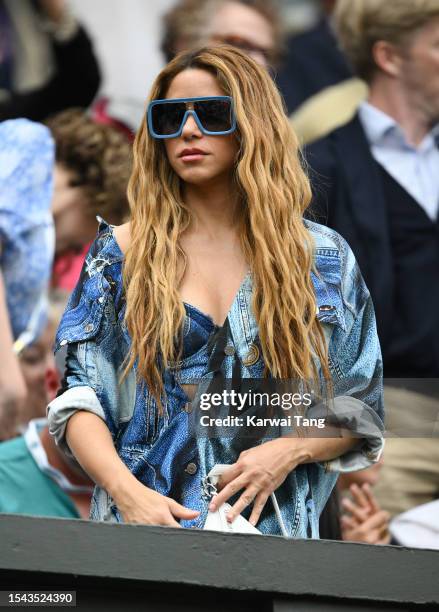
(89,331)
(356,366)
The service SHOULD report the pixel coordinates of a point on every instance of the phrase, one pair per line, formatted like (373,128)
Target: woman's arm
(262,469)
(320,449)
(91,443)
(12,385)
(85,427)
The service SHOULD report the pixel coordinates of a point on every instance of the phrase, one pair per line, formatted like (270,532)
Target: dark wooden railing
(134,567)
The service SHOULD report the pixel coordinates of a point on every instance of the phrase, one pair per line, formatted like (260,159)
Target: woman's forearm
(316,447)
(325,449)
(91,443)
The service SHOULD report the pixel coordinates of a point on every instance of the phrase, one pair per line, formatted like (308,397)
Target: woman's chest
(212,280)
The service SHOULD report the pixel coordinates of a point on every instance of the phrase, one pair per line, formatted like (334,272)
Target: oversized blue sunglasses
(214,115)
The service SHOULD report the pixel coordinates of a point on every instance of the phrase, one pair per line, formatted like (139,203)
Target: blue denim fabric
(157,449)
(27,235)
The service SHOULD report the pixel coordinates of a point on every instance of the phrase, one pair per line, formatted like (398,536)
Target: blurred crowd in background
(360,80)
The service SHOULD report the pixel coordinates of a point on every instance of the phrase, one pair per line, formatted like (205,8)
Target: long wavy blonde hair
(274,192)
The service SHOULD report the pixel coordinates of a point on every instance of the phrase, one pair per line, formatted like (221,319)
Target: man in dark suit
(313,62)
(376,181)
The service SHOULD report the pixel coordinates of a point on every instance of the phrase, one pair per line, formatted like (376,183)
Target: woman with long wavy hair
(216,272)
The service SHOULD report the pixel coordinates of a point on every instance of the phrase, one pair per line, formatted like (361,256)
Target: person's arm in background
(12,385)
(77,74)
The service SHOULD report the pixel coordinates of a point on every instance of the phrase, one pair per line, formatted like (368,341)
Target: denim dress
(165,451)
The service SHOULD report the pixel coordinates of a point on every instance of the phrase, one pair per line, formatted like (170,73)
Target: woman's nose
(190,128)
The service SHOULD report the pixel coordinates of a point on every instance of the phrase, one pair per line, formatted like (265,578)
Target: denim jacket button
(229,350)
(88,328)
(252,355)
(187,407)
(191,468)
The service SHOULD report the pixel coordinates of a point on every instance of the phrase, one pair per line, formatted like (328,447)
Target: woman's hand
(364,520)
(259,471)
(262,469)
(139,504)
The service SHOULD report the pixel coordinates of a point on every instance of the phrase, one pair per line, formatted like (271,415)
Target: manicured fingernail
(212,507)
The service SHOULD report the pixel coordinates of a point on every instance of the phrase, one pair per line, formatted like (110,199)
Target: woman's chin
(197,176)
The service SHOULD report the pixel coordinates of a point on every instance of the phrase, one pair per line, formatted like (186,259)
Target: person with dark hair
(254,26)
(313,62)
(93,164)
(47,62)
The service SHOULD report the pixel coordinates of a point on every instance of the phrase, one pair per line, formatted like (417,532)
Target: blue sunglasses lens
(214,116)
(167,117)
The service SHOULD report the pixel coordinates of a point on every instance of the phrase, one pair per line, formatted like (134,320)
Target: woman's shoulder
(107,248)
(326,238)
(336,264)
(122,235)
(330,244)
(100,278)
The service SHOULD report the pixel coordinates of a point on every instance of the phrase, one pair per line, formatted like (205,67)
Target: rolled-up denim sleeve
(77,393)
(358,377)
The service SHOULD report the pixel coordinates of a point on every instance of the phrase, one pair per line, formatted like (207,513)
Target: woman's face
(217,153)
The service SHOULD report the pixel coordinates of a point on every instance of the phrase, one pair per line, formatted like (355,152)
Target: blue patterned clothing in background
(27,237)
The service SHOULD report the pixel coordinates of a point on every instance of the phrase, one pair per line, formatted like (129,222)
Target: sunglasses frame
(186,115)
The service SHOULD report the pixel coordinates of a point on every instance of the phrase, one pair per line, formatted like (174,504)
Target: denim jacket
(160,450)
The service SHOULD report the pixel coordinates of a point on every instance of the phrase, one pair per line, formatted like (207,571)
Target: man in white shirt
(413,166)
(376,181)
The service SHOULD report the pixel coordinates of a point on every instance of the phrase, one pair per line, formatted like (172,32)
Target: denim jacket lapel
(244,331)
